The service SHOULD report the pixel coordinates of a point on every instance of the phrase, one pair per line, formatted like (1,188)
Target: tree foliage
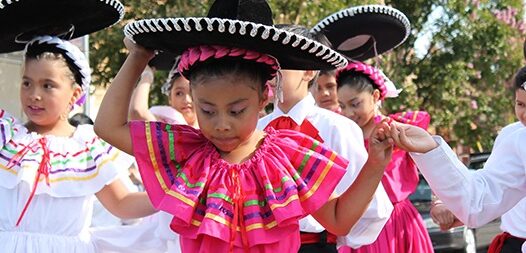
(461,77)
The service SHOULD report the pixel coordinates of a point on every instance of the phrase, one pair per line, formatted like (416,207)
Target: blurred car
(459,239)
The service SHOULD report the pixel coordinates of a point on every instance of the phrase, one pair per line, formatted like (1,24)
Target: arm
(124,204)
(139,100)
(339,215)
(349,144)
(111,123)
(475,198)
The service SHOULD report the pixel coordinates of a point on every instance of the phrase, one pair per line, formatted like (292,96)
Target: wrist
(375,166)
(145,56)
(436,202)
(432,144)
(146,77)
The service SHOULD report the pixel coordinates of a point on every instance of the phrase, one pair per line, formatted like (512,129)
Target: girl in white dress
(50,170)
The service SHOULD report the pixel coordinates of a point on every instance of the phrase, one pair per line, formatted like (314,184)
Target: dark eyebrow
(47,79)
(230,104)
(238,101)
(353,99)
(205,102)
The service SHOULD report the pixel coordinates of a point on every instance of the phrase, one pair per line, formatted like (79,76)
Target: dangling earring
(279,87)
(376,56)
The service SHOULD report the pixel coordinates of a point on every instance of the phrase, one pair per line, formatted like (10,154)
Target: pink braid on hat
(197,54)
(380,81)
(368,70)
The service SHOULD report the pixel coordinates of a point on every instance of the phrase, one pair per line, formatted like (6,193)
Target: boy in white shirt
(340,134)
(475,198)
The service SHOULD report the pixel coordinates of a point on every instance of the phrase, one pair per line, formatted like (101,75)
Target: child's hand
(411,138)
(443,217)
(380,145)
(138,50)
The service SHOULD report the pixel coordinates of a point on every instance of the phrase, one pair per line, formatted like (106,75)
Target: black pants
(512,245)
(321,247)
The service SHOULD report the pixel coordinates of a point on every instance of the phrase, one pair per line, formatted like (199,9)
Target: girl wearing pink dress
(230,187)
(361,88)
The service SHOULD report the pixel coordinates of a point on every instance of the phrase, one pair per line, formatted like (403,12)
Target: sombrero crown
(22,20)
(245,24)
(362,32)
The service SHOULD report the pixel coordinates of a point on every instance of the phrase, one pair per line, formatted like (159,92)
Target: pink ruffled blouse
(253,206)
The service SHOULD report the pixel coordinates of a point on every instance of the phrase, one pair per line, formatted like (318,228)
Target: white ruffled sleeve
(7,123)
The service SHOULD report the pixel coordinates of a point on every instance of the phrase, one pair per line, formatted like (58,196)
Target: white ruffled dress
(58,217)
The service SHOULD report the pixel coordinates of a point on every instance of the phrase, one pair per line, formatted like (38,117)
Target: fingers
(402,136)
(381,130)
(445,227)
(135,48)
(395,134)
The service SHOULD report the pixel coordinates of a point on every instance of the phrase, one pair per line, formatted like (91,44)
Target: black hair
(330,72)
(47,51)
(356,80)
(217,68)
(305,32)
(80,119)
(520,79)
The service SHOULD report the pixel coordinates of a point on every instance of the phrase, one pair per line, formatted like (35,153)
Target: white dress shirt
(479,197)
(346,138)
(513,221)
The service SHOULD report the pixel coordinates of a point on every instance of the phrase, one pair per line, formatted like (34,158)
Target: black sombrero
(243,24)
(163,60)
(21,20)
(354,31)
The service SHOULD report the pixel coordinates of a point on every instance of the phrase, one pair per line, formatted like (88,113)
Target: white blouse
(59,215)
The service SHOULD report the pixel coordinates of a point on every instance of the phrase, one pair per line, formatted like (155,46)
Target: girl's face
(227,110)
(326,93)
(520,105)
(358,106)
(181,99)
(47,93)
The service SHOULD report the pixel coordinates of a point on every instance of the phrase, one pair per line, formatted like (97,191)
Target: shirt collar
(299,111)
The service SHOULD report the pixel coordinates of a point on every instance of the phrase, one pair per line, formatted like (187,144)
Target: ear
(263,101)
(376,95)
(77,92)
(308,75)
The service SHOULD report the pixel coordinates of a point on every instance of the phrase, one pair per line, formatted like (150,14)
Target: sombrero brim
(177,34)
(163,61)
(27,16)
(383,25)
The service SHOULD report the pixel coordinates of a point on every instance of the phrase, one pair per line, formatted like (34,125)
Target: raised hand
(411,138)
(138,50)
(380,145)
